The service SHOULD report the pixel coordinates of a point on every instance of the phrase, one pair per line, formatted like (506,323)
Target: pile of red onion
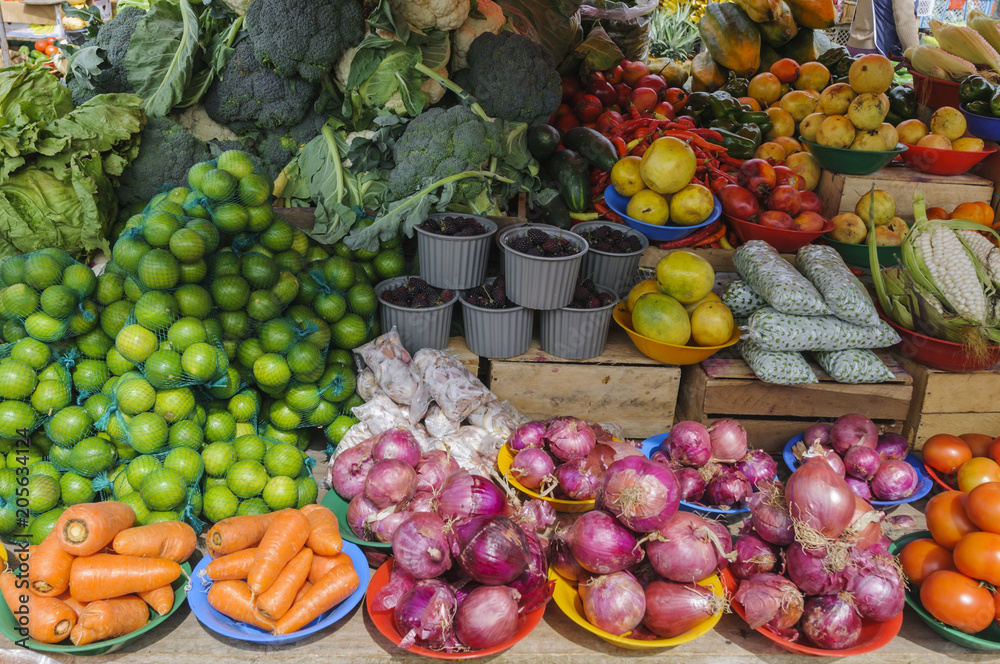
(812,561)
(564,457)
(873,465)
(714,465)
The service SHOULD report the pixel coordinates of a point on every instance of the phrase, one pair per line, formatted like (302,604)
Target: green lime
(220,426)
(340,356)
(308,491)
(349,332)
(208,482)
(230,292)
(278,336)
(158,270)
(330,306)
(230,218)
(56,372)
(156,310)
(304,359)
(17,379)
(237,162)
(92,456)
(117,364)
(302,397)
(186,434)
(263,305)
(12,269)
(283,459)
(41,441)
(197,172)
(50,396)
(138,505)
(46,468)
(200,362)
(289,261)
(94,344)
(163,489)
(128,252)
(335,432)
(352,402)
(271,370)
(42,524)
(59,301)
(141,466)
(133,291)
(250,447)
(244,406)
(25,458)
(187,462)
(278,237)
(31,352)
(252,507)
(254,189)
(96,405)
(162,516)
(8,483)
(135,343)
(270,432)
(228,385)
(323,414)
(287,288)
(42,270)
(217,184)
(43,327)
(367,271)
(261,217)
(282,416)
(158,227)
(186,332)
(84,319)
(12,330)
(248,351)
(135,396)
(246,478)
(341,249)
(193,273)
(110,288)
(218,457)
(89,376)
(76,489)
(15,417)
(259,270)
(194,301)
(114,316)
(68,426)
(187,245)
(280,493)
(8,519)
(81,279)
(219,503)
(389,264)
(147,433)
(178,195)
(164,370)
(118,427)
(225,263)
(195,500)
(121,486)
(19,301)
(235,324)
(362,300)
(174,405)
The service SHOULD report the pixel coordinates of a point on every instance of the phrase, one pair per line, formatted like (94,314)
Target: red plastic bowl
(940,354)
(385,624)
(934,92)
(785,241)
(931,473)
(942,162)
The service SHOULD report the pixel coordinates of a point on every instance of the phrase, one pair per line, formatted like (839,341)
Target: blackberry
(593,303)
(605,298)
(588,283)
(520,244)
(535,251)
(537,236)
(581,294)
(446,295)
(551,247)
(604,246)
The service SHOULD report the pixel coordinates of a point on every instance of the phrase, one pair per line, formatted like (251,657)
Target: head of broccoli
(512,78)
(113,40)
(276,147)
(304,37)
(166,152)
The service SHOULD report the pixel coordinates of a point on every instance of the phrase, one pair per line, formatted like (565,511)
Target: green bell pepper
(752,132)
(736,86)
(753,117)
(722,105)
(975,88)
(737,146)
(728,125)
(697,103)
(903,101)
(980,108)
(832,55)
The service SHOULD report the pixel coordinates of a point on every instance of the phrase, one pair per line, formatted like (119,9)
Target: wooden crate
(468,358)
(953,403)
(840,193)
(724,386)
(622,386)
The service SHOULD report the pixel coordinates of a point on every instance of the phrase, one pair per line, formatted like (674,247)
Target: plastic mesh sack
(340,292)
(742,299)
(854,366)
(780,368)
(772,330)
(234,194)
(842,291)
(777,281)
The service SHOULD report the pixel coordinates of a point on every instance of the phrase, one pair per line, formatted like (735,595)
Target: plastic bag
(456,391)
(438,424)
(395,373)
(627,26)
(854,366)
(780,368)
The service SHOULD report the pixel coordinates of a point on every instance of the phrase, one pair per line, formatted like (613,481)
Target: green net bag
(249,288)
(346,300)
(160,487)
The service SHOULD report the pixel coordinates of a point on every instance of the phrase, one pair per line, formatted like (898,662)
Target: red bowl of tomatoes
(960,463)
(784,240)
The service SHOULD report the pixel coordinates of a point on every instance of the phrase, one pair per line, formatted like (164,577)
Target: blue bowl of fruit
(665,233)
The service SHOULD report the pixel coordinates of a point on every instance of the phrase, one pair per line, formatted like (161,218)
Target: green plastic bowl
(988,639)
(8,626)
(857,254)
(338,506)
(852,162)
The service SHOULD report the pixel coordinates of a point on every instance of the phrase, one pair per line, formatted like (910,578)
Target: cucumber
(571,173)
(543,141)
(593,145)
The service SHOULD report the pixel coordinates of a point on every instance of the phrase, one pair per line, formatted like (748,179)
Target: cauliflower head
(472,28)
(432,14)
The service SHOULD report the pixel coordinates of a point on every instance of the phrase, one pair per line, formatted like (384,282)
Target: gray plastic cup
(418,328)
(497,333)
(615,271)
(577,334)
(454,262)
(539,282)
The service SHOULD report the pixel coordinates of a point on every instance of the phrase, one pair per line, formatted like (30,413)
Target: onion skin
(831,458)
(569,438)
(643,495)
(754,556)
(490,549)
(421,547)
(433,469)
(350,470)
(892,446)
(820,498)
(772,524)
(422,501)
(770,599)
(602,545)
(729,441)
(859,487)
(390,482)
(853,429)
(861,462)
(830,622)
(563,561)
(531,467)
(399,583)
(674,608)
(487,617)
(386,527)
(878,593)
(531,434)
(613,602)
(728,489)
(817,434)
(396,444)
(576,480)
(864,534)
(464,494)
(759,467)
(359,512)
(689,444)
(687,550)
(894,480)
(807,570)
(533,586)
(424,614)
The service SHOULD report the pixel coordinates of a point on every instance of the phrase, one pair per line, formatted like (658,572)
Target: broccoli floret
(511,77)
(278,146)
(113,39)
(303,37)
(247,95)
(438,143)
(80,91)
(166,152)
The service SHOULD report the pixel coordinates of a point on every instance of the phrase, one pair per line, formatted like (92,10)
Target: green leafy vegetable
(162,54)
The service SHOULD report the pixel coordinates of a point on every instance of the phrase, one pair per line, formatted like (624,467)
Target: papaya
(815,14)
(807,45)
(706,74)
(779,31)
(760,10)
(672,72)
(731,38)
(768,56)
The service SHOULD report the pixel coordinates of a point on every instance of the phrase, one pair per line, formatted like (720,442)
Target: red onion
(904,521)
(810,570)
(687,550)
(613,602)
(360,512)
(853,429)
(729,441)
(602,545)
(662,459)
(487,617)
(350,470)
(770,599)
(390,482)
(527,436)
(866,525)
(533,586)
(531,467)
(675,608)
(817,434)
(424,615)
(569,438)
(831,458)
(422,501)
(754,556)
(770,518)
(894,480)
(464,494)
(689,444)
(861,462)
(758,466)
(375,558)
(831,623)
(728,489)
(491,549)
(820,498)
(691,484)
(399,583)
(383,529)
(576,481)
(563,561)
(421,547)
(536,516)
(396,443)
(892,446)
(642,494)
(877,592)
(433,469)
(859,487)
(605,454)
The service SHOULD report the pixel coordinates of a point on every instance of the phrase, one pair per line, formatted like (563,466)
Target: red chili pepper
(601,207)
(697,236)
(620,146)
(638,150)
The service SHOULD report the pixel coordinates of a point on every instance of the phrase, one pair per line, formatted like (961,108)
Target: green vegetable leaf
(161,55)
(596,53)
(383,82)
(87,63)
(554,25)
(99,125)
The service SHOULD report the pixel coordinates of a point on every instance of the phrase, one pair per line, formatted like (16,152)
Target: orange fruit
(976,211)
(786,69)
(936,213)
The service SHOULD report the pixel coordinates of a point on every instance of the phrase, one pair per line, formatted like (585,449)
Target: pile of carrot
(96,577)
(279,571)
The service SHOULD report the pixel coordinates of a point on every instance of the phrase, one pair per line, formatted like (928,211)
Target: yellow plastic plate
(506,457)
(668,353)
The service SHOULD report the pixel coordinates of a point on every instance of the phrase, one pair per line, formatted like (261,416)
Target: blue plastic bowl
(923,487)
(984,127)
(619,204)
(198,600)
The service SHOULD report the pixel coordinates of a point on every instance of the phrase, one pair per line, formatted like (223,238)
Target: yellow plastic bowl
(668,353)
(568,600)
(506,457)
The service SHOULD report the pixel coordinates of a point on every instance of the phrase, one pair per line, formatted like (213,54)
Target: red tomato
(51,50)
(40,45)
(959,601)
(983,506)
(921,558)
(976,471)
(995,450)
(979,443)
(947,519)
(978,555)
(50,40)
(946,453)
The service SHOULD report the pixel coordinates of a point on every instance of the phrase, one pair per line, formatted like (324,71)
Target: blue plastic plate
(198,599)
(619,204)
(923,487)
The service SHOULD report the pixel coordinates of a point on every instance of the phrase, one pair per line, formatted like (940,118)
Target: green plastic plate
(338,506)
(852,162)
(988,639)
(8,626)
(857,254)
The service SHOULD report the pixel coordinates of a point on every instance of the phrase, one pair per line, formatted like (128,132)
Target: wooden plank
(619,350)
(825,399)
(943,392)
(468,358)
(930,424)
(639,398)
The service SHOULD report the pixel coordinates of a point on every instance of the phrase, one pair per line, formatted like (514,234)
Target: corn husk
(985,26)
(966,43)
(937,63)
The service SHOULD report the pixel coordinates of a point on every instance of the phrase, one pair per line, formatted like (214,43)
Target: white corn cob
(984,250)
(952,271)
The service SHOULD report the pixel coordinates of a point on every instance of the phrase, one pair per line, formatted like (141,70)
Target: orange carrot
(48,571)
(87,528)
(234,599)
(234,566)
(323,564)
(324,531)
(48,619)
(276,600)
(330,591)
(172,540)
(159,599)
(238,532)
(286,535)
(74,604)
(110,618)
(105,575)
(302,591)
